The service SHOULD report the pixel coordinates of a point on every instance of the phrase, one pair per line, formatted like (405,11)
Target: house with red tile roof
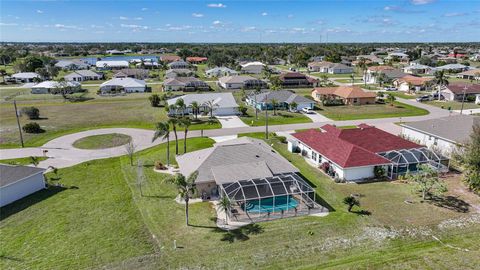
(361,153)
(196,59)
(410,82)
(349,95)
(455,91)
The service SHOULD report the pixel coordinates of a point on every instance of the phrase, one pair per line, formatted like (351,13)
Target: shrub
(31,112)
(325,167)
(154,100)
(282,139)
(379,171)
(159,165)
(32,127)
(242,109)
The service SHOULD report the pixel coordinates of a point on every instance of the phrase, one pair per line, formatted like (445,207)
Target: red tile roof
(457,88)
(353,147)
(196,59)
(345,92)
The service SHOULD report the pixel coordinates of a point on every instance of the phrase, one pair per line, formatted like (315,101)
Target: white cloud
(133,26)
(264,13)
(64,27)
(39,11)
(290,16)
(421,2)
(123,18)
(197,15)
(219,5)
(249,29)
(144,9)
(454,14)
(8,24)
(216,22)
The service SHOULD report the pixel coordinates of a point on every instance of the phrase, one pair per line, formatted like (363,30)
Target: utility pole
(463,98)
(266,122)
(18,122)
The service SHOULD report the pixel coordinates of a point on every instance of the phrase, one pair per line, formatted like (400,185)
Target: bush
(32,128)
(31,112)
(159,165)
(282,139)
(154,100)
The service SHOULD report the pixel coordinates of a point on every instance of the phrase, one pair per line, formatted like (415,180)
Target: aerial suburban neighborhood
(240,135)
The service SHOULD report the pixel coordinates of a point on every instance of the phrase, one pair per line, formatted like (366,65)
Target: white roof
(451,66)
(55,84)
(82,73)
(125,82)
(26,75)
(222,100)
(256,63)
(101,64)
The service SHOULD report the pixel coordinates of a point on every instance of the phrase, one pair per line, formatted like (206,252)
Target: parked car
(424,98)
(390,88)
(307,110)
(435,97)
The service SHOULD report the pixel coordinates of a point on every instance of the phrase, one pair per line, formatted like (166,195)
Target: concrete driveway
(231,121)
(316,117)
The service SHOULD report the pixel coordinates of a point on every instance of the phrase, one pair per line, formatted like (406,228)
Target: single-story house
(149,65)
(328,67)
(17,182)
(284,99)
(223,103)
(107,65)
(418,69)
(181,72)
(178,64)
(296,79)
(220,72)
(410,82)
(123,85)
(472,74)
(455,68)
(455,91)
(252,67)
(373,74)
(242,81)
(443,134)
(196,59)
(185,84)
(360,153)
(48,87)
(74,64)
(135,73)
(83,75)
(349,95)
(23,77)
(261,184)
(169,58)
(398,56)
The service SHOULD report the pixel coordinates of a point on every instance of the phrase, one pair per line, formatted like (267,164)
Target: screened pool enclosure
(408,160)
(262,199)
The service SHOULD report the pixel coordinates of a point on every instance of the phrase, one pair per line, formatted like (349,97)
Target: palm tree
(274,105)
(162,130)
(353,78)
(225,204)
(185,188)
(181,105)
(195,108)
(351,201)
(185,123)
(391,99)
(440,81)
(293,105)
(211,106)
(174,122)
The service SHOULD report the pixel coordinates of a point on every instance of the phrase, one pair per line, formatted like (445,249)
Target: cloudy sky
(240,21)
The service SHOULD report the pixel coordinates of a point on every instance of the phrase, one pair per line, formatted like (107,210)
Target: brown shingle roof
(457,88)
(345,92)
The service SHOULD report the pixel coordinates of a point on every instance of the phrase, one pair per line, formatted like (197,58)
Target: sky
(240,21)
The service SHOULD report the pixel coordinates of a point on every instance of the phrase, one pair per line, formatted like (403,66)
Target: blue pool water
(267,204)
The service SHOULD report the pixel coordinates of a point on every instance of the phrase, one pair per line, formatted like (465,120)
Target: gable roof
(458,88)
(414,80)
(11,174)
(26,75)
(353,147)
(125,82)
(345,92)
(239,159)
(282,96)
(82,73)
(55,84)
(222,100)
(380,68)
(236,79)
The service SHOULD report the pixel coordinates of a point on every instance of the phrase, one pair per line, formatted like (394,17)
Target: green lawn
(21,161)
(349,80)
(403,94)
(282,118)
(371,111)
(112,221)
(453,105)
(102,141)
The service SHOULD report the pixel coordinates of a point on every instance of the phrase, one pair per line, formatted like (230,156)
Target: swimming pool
(268,205)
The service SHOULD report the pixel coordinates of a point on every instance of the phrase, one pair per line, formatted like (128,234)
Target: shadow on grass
(240,234)
(30,200)
(451,203)
(362,212)
(5,257)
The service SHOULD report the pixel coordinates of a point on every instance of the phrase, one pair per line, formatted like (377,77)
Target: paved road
(63,154)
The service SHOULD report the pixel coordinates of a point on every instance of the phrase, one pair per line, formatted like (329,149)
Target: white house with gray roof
(23,77)
(239,82)
(17,182)
(223,103)
(73,64)
(220,72)
(83,75)
(284,99)
(443,134)
(123,85)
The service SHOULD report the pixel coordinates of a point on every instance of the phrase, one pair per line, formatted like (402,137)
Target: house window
(314,156)
(355,100)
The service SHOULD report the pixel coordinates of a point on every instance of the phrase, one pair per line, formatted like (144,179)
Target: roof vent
(257,156)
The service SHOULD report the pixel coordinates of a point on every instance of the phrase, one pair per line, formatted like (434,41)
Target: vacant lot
(370,111)
(453,105)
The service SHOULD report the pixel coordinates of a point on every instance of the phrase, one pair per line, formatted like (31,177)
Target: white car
(307,110)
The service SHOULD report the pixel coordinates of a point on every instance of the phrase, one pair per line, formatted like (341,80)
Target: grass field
(102,141)
(21,161)
(111,221)
(454,105)
(370,111)
(282,118)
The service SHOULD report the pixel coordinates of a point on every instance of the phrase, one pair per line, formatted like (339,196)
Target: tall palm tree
(353,78)
(274,105)
(211,107)
(185,123)
(185,188)
(162,130)
(440,81)
(181,105)
(195,108)
(174,122)
(225,204)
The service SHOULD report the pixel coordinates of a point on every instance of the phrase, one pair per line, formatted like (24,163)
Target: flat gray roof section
(455,128)
(10,174)
(233,160)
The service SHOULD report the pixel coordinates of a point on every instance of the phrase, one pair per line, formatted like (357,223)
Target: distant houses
(185,84)
(220,72)
(122,85)
(416,69)
(135,73)
(83,75)
(241,82)
(170,58)
(178,65)
(23,77)
(108,65)
(472,74)
(181,72)
(387,73)
(283,99)
(221,103)
(73,64)
(330,68)
(347,95)
(196,60)
(296,79)
(252,67)
(51,87)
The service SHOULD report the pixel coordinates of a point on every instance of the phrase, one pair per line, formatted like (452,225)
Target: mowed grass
(453,105)
(371,111)
(102,141)
(281,118)
(21,161)
(104,223)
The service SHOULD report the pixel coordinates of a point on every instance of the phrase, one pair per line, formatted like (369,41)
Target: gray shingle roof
(222,100)
(455,128)
(230,161)
(10,174)
(282,96)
